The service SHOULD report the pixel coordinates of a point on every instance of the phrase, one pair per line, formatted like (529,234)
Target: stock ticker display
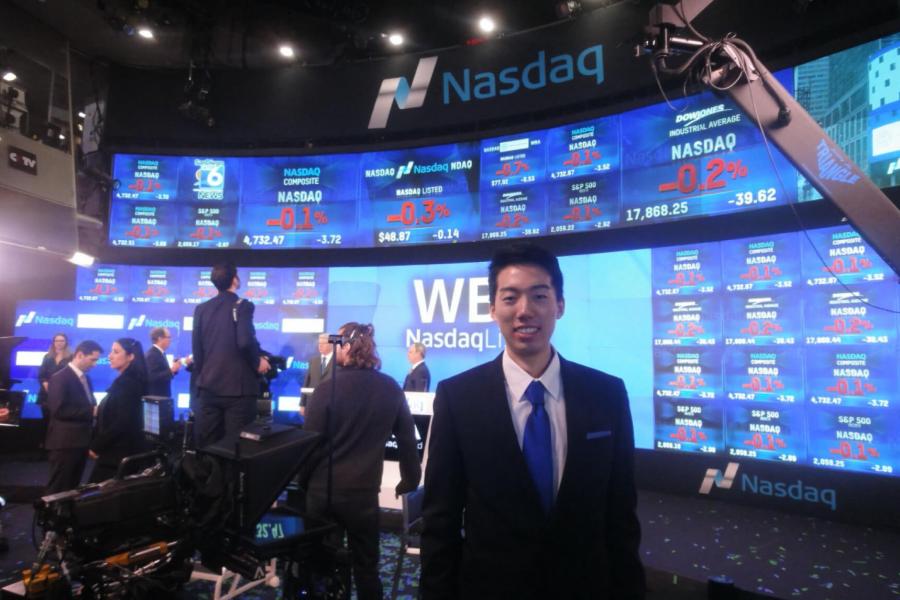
(749,348)
(650,165)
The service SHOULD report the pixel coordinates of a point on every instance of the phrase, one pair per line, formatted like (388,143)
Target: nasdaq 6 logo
(715,477)
(406,95)
(209,179)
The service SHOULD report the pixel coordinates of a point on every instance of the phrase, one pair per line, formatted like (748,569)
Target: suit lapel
(577,424)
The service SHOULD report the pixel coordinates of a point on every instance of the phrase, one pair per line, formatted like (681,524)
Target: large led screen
(780,348)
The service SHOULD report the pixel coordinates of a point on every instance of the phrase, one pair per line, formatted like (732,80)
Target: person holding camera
(358,419)
(227,360)
(119,429)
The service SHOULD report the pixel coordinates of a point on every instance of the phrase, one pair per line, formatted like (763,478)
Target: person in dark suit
(57,357)
(119,430)
(70,402)
(367,407)
(227,360)
(532,455)
(320,368)
(159,373)
(419,378)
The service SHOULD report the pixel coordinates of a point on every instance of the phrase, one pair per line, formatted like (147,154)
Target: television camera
(137,535)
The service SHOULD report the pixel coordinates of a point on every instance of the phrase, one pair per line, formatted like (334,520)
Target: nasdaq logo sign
(715,477)
(25,319)
(406,95)
(32,317)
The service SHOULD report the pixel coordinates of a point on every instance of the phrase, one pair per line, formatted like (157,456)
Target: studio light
(81,259)
(396,39)
(8,74)
(145,32)
(486,24)
(286,50)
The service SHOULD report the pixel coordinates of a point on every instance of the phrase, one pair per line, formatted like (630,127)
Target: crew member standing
(419,378)
(227,360)
(320,368)
(70,403)
(159,373)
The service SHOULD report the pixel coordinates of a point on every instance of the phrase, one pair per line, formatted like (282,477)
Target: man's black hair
(524,253)
(88,347)
(223,275)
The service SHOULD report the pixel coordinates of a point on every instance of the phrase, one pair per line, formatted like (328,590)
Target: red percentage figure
(686,179)
(142,232)
(856,325)
(842,387)
(862,452)
(691,330)
(145,185)
(407,214)
(770,442)
(855,266)
(287,220)
(306,293)
(155,290)
(682,435)
(103,289)
(206,233)
(686,278)
(582,213)
(688,383)
(754,274)
(257,293)
(767,384)
(576,159)
(767,328)
(205,292)
(512,168)
(516,221)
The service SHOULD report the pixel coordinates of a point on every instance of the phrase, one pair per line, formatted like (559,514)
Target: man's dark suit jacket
(586,548)
(226,353)
(159,374)
(71,412)
(417,380)
(315,375)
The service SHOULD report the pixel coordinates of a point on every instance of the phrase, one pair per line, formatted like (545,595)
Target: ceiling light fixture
(8,75)
(286,50)
(81,259)
(396,39)
(486,24)
(81,114)
(145,32)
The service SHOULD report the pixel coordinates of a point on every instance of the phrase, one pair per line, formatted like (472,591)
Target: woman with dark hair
(119,429)
(57,357)
(358,420)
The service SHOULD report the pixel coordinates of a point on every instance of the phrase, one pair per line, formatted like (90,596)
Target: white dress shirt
(517,380)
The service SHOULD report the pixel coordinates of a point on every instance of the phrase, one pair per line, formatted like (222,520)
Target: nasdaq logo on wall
(467,84)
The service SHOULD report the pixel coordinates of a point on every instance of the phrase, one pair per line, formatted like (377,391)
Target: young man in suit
(70,403)
(321,365)
(227,360)
(419,378)
(159,373)
(532,456)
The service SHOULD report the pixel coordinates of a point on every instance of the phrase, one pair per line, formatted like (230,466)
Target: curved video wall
(746,348)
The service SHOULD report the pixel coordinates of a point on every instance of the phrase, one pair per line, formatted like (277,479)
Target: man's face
(86,362)
(324,346)
(413,356)
(165,341)
(526,309)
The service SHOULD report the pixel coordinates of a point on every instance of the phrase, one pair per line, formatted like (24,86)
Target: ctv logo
(714,476)
(406,95)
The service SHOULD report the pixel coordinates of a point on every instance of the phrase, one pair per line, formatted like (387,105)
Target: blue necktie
(536,445)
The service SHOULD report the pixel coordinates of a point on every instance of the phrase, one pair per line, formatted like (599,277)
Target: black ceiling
(245,33)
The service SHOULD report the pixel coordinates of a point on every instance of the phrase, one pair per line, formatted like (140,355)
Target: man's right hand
(263,365)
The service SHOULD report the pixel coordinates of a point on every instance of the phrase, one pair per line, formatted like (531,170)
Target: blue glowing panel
(687,321)
(103,283)
(513,161)
(689,426)
(261,286)
(761,319)
(854,440)
(143,224)
(763,263)
(156,285)
(766,431)
(840,252)
(773,375)
(840,316)
(145,178)
(196,286)
(512,212)
(852,377)
(687,270)
(208,191)
(422,195)
(687,374)
(584,179)
(300,202)
(706,159)
(304,287)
